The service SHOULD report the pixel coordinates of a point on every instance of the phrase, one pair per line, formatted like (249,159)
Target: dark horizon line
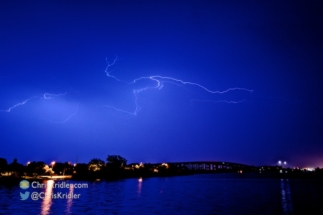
(177,162)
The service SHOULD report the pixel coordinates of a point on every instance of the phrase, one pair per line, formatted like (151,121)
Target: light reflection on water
(70,200)
(286,196)
(47,201)
(139,186)
(196,194)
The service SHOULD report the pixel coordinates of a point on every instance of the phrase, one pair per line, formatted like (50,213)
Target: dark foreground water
(196,194)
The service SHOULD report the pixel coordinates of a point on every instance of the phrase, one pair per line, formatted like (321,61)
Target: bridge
(211,166)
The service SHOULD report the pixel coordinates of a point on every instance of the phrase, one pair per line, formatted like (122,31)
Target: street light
(279,162)
(53,163)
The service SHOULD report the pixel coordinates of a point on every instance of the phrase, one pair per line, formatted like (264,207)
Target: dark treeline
(116,167)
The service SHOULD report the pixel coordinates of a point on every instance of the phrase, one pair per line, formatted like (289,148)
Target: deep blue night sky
(274,48)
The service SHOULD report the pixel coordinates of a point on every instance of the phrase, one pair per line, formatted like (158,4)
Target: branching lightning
(154,82)
(159,84)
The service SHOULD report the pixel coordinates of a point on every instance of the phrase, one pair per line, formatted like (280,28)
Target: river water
(194,194)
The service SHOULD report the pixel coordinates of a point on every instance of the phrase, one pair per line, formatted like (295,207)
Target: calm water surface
(196,194)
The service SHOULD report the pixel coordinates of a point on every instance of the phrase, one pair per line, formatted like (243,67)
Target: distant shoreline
(116,168)
(308,175)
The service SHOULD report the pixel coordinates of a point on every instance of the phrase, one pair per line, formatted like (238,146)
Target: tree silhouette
(3,165)
(116,161)
(63,168)
(96,164)
(35,168)
(15,168)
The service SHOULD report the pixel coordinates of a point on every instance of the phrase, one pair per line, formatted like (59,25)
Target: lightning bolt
(159,84)
(220,101)
(45,96)
(19,104)
(69,117)
(49,96)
